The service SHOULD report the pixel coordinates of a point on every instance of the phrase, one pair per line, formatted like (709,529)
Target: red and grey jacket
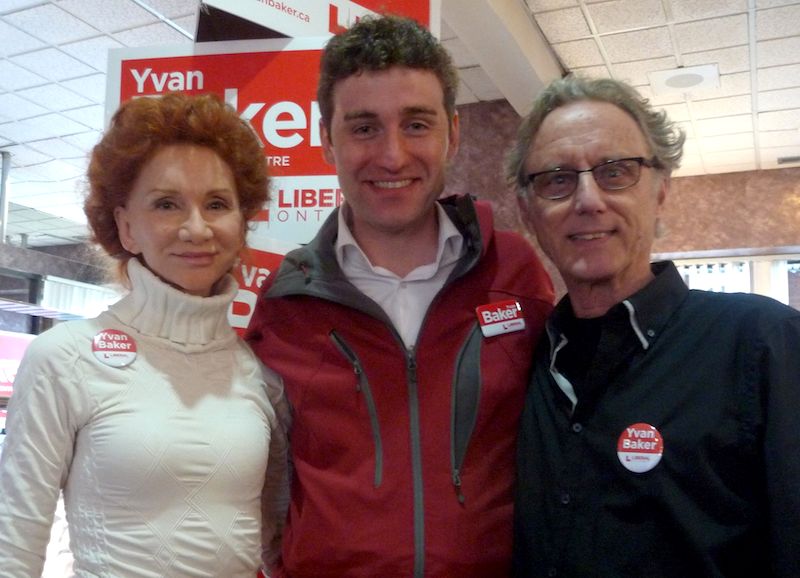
(403,457)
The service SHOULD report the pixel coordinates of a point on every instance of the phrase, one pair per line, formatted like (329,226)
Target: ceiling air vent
(788,160)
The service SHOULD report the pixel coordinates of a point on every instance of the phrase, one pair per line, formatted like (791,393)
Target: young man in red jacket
(404,333)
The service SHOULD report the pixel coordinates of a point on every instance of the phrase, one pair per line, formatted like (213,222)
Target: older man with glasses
(659,436)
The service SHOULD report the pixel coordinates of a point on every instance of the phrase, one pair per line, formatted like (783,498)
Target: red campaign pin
(114,347)
(640,447)
(500,317)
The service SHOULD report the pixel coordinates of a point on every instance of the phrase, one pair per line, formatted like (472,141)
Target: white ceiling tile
(13,107)
(659,99)
(53,97)
(778,77)
(93,51)
(635,73)
(741,157)
(14,5)
(639,45)
(22,131)
(23,214)
(592,72)
(81,162)
(688,171)
(691,155)
(687,129)
(462,56)
(773,3)
(47,126)
(53,64)
(480,84)
(779,99)
(729,85)
(735,84)
(109,15)
(775,52)
(770,156)
(779,138)
(57,170)
(779,120)
(728,142)
(683,10)
(92,87)
(92,116)
(563,25)
(22,156)
(51,24)
(717,107)
(152,35)
(777,22)
(730,60)
(57,148)
(85,140)
(725,125)
(712,34)
(13,77)
(619,15)
(173,8)
(465,95)
(543,5)
(188,24)
(13,41)
(676,112)
(579,53)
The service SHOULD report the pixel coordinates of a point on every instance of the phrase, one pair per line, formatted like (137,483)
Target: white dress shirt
(404,299)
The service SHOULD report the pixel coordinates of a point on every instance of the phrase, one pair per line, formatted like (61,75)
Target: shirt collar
(450,242)
(647,311)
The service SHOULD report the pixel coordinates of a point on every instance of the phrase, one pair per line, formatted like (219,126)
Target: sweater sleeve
(275,497)
(41,425)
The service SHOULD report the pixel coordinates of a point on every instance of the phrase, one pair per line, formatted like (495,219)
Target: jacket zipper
(416,465)
(362,386)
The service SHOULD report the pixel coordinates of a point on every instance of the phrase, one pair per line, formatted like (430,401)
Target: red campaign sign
(12,348)
(254,267)
(419,11)
(296,18)
(271,83)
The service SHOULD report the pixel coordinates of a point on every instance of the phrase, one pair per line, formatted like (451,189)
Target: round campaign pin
(114,347)
(640,447)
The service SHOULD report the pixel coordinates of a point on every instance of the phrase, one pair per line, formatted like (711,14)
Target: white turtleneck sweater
(165,463)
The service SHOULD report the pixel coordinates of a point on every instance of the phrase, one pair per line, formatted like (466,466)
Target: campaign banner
(12,348)
(295,18)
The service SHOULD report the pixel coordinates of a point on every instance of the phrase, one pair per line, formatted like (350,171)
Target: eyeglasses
(613,175)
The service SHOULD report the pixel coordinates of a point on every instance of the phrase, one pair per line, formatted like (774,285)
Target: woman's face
(183,218)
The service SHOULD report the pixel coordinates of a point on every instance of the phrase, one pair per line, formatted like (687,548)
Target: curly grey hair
(663,137)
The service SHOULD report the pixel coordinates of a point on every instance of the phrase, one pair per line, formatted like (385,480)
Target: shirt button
(651,333)
(565,498)
(577,428)
(552,572)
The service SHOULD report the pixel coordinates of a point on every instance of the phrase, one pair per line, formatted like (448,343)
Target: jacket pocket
(362,386)
(466,400)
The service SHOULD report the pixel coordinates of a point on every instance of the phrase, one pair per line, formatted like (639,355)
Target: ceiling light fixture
(689,79)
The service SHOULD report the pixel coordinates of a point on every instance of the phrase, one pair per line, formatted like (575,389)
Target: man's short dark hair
(379,43)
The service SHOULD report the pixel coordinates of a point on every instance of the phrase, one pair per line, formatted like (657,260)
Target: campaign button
(114,348)
(640,447)
(500,317)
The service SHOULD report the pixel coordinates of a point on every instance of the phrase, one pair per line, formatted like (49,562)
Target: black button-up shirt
(718,378)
